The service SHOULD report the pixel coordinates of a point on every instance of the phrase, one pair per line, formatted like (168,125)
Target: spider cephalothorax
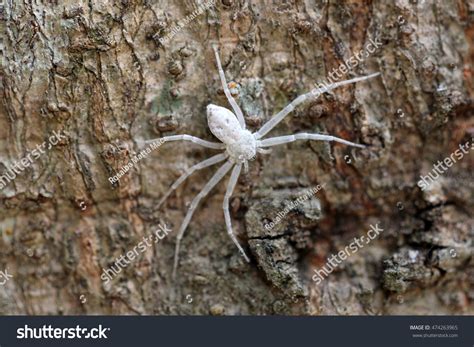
(240,146)
(240,143)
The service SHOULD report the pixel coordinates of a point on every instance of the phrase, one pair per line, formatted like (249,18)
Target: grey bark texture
(98,72)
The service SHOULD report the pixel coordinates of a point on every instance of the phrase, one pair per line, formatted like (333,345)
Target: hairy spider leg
(221,172)
(269,125)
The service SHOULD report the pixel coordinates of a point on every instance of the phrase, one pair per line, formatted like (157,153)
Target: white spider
(240,146)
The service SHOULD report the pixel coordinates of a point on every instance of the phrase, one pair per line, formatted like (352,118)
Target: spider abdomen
(223,124)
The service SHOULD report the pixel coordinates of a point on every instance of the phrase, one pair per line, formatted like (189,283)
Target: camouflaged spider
(240,146)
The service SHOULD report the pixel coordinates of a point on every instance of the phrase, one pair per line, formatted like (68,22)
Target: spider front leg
(223,170)
(273,122)
(232,102)
(185,137)
(274,141)
(225,204)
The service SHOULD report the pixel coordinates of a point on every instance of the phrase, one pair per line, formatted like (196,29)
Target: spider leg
(232,102)
(225,204)
(291,106)
(203,164)
(263,150)
(221,172)
(184,137)
(246,167)
(274,141)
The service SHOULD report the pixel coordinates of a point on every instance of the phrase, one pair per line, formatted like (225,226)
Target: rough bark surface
(96,71)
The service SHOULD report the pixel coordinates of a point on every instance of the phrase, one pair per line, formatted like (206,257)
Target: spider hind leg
(220,173)
(225,204)
(203,164)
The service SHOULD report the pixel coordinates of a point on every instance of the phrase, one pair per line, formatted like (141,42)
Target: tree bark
(98,72)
